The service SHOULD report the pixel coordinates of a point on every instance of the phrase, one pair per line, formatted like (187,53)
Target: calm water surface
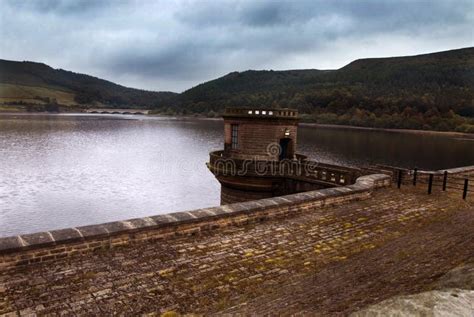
(60,171)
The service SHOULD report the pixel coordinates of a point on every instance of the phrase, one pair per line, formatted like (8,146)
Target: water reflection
(362,147)
(68,170)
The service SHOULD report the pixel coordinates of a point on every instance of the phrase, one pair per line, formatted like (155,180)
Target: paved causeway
(328,261)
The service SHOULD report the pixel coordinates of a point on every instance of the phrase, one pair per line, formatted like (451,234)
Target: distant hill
(29,82)
(430,91)
(433,75)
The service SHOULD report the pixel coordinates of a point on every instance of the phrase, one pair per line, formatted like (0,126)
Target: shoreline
(411,131)
(462,135)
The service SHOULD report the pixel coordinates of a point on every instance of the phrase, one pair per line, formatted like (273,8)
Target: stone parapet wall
(301,169)
(423,175)
(56,244)
(455,176)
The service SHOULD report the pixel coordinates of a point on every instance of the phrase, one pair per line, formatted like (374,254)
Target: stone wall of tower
(232,195)
(259,139)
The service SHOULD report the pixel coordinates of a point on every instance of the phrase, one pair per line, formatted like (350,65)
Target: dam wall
(28,249)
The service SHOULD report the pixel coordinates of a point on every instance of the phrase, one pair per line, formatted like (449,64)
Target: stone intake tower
(259,159)
(268,135)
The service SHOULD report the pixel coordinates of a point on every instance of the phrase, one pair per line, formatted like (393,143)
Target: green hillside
(431,91)
(25,79)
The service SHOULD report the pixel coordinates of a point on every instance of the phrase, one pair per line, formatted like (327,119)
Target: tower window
(235,135)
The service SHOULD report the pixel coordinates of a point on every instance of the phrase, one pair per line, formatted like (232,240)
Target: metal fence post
(445,180)
(466,184)
(415,174)
(399,178)
(430,184)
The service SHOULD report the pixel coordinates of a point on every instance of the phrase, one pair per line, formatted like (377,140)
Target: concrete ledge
(452,171)
(45,246)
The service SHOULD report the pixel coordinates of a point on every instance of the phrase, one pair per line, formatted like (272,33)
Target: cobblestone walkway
(329,261)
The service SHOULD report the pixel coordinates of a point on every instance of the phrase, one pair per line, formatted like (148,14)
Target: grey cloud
(181,59)
(373,14)
(265,14)
(172,45)
(68,7)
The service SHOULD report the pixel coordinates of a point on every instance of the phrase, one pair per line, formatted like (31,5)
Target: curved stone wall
(233,195)
(56,244)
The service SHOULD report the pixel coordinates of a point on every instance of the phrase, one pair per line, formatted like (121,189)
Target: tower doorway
(285,150)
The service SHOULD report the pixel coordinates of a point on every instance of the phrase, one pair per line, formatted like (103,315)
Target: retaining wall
(29,249)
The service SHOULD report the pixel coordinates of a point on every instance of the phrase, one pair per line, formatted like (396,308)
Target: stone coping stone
(66,235)
(110,229)
(459,170)
(11,243)
(456,170)
(39,238)
(161,220)
(93,231)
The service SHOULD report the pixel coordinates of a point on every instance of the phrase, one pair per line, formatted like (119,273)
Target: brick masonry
(256,132)
(327,260)
(232,195)
(315,258)
(54,245)
(254,138)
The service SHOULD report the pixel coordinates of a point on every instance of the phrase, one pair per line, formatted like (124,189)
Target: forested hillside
(431,91)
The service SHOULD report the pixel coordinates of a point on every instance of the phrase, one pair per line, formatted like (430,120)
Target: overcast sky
(174,45)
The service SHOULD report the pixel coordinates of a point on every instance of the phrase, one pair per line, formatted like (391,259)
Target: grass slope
(86,89)
(35,95)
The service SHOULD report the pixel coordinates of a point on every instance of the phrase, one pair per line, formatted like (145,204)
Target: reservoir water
(61,171)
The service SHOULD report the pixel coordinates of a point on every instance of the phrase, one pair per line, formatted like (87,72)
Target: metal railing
(460,181)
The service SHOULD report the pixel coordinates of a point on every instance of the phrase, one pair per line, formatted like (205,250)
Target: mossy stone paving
(236,269)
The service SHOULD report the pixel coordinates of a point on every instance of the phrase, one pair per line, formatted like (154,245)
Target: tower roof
(261,113)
